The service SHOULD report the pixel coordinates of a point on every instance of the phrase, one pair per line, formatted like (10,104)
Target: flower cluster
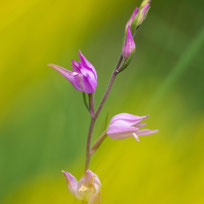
(123,125)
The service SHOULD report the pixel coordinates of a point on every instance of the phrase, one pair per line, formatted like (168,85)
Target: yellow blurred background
(44,124)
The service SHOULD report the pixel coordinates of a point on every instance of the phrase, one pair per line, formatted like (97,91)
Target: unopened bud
(129,45)
(142,14)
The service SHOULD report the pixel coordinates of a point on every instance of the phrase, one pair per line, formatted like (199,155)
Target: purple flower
(126,125)
(132,18)
(83,77)
(88,188)
(129,45)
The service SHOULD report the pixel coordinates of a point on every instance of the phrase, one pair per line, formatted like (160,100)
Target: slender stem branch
(98,142)
(114,74)
(88,144)
(95,116)
(91,104)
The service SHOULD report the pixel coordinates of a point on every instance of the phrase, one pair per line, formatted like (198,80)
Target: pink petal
(112,129)
(71,182)
(94,179)
(87,64)
(120,132)
(146,132)
(78,82)
(140,125)
(87,72)
(87,81)
(125,123)
(75,78)
(133,119)
(66,73)
(89,85)
(76,66)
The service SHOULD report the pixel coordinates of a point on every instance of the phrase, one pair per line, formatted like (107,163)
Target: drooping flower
(83,77)
(126,125)
(129,45)
(88,188)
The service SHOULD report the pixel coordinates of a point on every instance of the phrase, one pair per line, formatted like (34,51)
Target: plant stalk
(95,115)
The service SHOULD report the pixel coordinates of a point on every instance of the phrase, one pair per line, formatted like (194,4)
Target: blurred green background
(44,124)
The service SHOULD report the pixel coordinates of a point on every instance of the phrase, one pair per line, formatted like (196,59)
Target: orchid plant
(123,125)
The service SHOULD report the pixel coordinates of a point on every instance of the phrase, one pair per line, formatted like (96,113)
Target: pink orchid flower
(83,77)
(126,125)
(88,188)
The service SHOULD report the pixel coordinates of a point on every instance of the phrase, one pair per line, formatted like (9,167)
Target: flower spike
(123,125)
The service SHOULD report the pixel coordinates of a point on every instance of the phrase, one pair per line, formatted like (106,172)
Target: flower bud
(132,18)
(144,3)
(142,13)
(129,45)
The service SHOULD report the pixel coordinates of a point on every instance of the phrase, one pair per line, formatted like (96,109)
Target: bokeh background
(44,124)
